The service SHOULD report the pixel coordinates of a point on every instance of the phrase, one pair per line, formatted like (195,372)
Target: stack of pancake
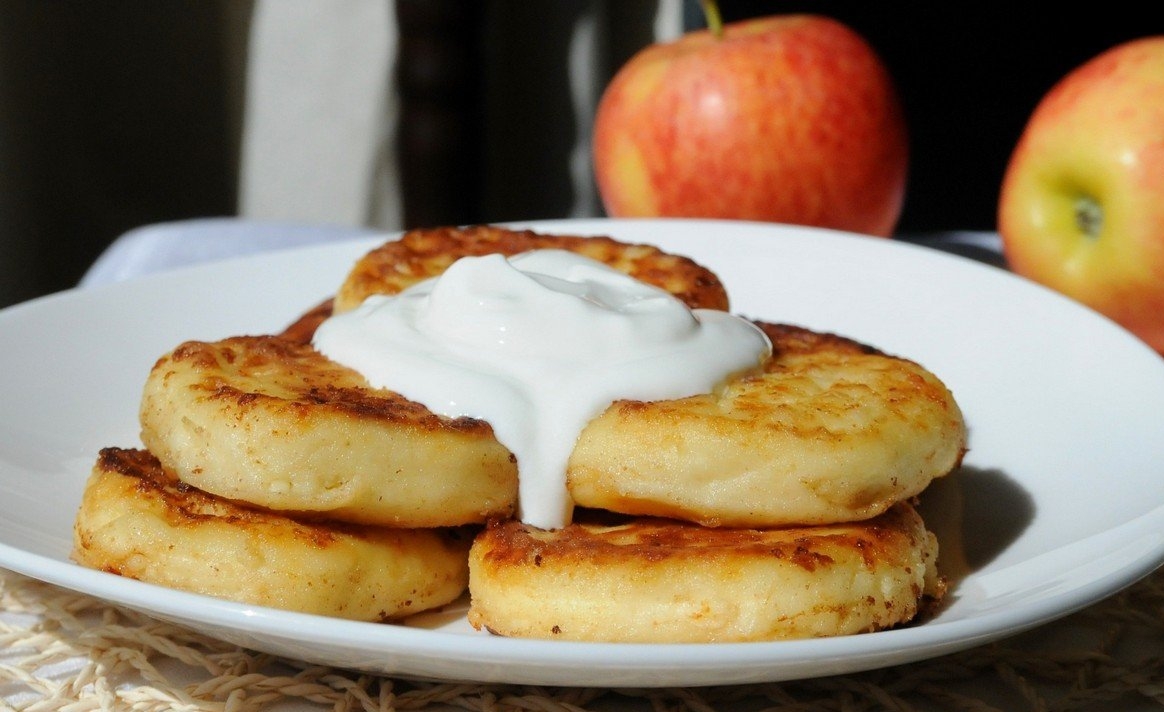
(777,507)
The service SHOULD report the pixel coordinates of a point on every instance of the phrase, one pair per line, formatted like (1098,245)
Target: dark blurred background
(119,114)
(969,76)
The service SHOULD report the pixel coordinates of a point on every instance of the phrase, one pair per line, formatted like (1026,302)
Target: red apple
(789,118)
(1081,207)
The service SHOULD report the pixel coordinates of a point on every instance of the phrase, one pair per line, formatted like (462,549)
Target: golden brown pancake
(423,253)
(272,422)
(136,520)
(648,580)
(830,431)
(775,507)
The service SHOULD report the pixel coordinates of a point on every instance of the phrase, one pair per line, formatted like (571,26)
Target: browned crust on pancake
(829,430)
(423,253)
(189,506)
(598,538)
(788,339)
(658,580)
(275,423)
(303,329)
(305,382)
(139,521)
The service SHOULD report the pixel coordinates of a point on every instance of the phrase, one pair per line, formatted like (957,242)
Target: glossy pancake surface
(648,580)
(135,520)
(424,253)
(830,431)
(272,422)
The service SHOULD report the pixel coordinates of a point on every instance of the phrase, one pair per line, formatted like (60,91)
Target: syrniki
(137,521)
(776,506)
(829,431)
(419,254)
(647,580)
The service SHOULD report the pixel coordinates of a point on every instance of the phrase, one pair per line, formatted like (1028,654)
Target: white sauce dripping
(537,345)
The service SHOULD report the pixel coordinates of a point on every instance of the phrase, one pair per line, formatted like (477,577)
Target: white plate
(1060,502)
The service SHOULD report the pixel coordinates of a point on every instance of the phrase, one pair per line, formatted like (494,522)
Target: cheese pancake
(137,521)
(649,580)
(303,328)
(830,431)
(272,422)
(424,253)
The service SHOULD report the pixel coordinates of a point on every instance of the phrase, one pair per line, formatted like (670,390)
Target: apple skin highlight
(1080,206)
(789,119)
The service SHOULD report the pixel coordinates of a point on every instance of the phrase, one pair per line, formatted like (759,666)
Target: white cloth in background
(321,108)
(320,113)
(318,160)
(164,246)
(587,83)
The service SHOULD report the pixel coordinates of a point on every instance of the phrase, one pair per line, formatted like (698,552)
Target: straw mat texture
(65,651)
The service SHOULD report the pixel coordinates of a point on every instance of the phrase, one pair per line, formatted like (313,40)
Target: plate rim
(922,641)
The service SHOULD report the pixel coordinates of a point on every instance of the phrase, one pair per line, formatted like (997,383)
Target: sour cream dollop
(537,345)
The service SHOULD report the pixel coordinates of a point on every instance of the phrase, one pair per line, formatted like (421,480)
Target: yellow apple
(1081,208)
(787,118)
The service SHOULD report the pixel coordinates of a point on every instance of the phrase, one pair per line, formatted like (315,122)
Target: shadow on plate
(976,514)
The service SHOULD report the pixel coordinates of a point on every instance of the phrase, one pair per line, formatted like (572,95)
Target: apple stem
(714,19)
(1089,217)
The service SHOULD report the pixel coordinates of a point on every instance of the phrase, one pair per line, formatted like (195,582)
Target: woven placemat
(67,651)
